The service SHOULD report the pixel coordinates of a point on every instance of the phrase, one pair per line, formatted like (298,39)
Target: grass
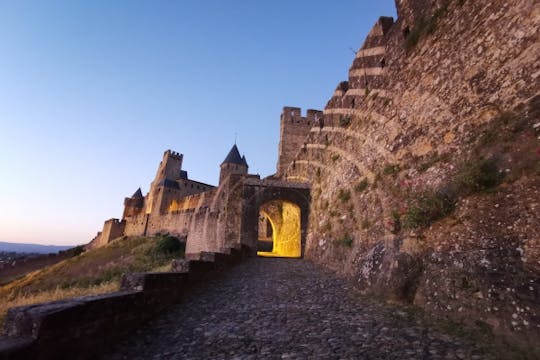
(92,272)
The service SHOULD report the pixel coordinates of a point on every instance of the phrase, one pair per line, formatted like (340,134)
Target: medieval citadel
(420,179)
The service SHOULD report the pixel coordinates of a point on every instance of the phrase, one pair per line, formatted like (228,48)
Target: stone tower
(294,129)
(170,169)
(233,164)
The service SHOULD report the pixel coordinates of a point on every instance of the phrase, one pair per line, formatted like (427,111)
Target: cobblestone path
(287,309)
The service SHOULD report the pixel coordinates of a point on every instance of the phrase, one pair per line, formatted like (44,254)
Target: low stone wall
(82,328)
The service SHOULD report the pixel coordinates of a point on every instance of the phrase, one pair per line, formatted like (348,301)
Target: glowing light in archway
(286,231)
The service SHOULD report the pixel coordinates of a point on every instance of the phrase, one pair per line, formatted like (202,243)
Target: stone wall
(457,89)
(84,328)
(112,229)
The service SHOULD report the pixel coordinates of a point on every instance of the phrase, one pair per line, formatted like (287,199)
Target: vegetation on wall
(425,26)
(361,186)
(391,169)
(426,207)
(346,241)
(344,121)
(344,195)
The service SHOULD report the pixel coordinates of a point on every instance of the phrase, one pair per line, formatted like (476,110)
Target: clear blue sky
(93,92)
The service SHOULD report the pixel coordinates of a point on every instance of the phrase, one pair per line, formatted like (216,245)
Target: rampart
(448,86)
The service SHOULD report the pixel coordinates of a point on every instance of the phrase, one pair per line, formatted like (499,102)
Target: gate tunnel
(275,217)
(283,218)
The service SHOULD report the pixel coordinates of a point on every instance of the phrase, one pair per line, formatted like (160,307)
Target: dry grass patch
(93,272)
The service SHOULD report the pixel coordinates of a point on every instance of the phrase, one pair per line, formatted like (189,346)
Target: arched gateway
(281,210)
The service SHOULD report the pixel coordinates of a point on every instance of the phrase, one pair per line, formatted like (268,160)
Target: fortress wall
(216,225)
(135,225)
(176,218)
(434,99)
(198,240)
(175,223)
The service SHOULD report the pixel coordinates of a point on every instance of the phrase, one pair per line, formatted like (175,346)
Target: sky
(93,92)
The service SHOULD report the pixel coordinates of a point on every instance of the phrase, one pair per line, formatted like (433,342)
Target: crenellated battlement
(173,155)
(293,131)
(293,115)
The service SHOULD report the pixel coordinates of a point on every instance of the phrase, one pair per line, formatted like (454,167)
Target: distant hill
(31,248)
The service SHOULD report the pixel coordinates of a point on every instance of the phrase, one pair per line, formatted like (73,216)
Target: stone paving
(270,308)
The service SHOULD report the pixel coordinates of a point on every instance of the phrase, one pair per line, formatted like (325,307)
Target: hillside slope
(92,272)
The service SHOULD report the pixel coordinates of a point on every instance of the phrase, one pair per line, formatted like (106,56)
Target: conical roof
(233,157)
(244,161)
(137,194)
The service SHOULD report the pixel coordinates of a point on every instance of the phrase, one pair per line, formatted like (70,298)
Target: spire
(244,161)
(137,194)
(233,157)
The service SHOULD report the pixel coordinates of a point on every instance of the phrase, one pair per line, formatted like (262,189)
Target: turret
(133,205)
(233,164)
(170,167)
(294,129)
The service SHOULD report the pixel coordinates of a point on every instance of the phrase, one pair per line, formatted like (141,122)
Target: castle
(242,210)
(419,180)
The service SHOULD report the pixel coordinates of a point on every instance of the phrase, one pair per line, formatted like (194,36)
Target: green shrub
(361,186)
(426,207)
(347,241)
(168,244)
(479,175)
(344,195)
(344,121)
(77,250)
(391,169)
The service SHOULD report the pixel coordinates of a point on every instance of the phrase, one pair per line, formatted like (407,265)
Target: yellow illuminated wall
(286,231)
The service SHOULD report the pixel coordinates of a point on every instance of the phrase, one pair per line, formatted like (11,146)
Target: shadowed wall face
(284,218)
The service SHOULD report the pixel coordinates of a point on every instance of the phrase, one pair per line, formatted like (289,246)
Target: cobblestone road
(287,309)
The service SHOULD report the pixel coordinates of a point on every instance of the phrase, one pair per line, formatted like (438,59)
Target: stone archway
(285,222)
(286,206)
